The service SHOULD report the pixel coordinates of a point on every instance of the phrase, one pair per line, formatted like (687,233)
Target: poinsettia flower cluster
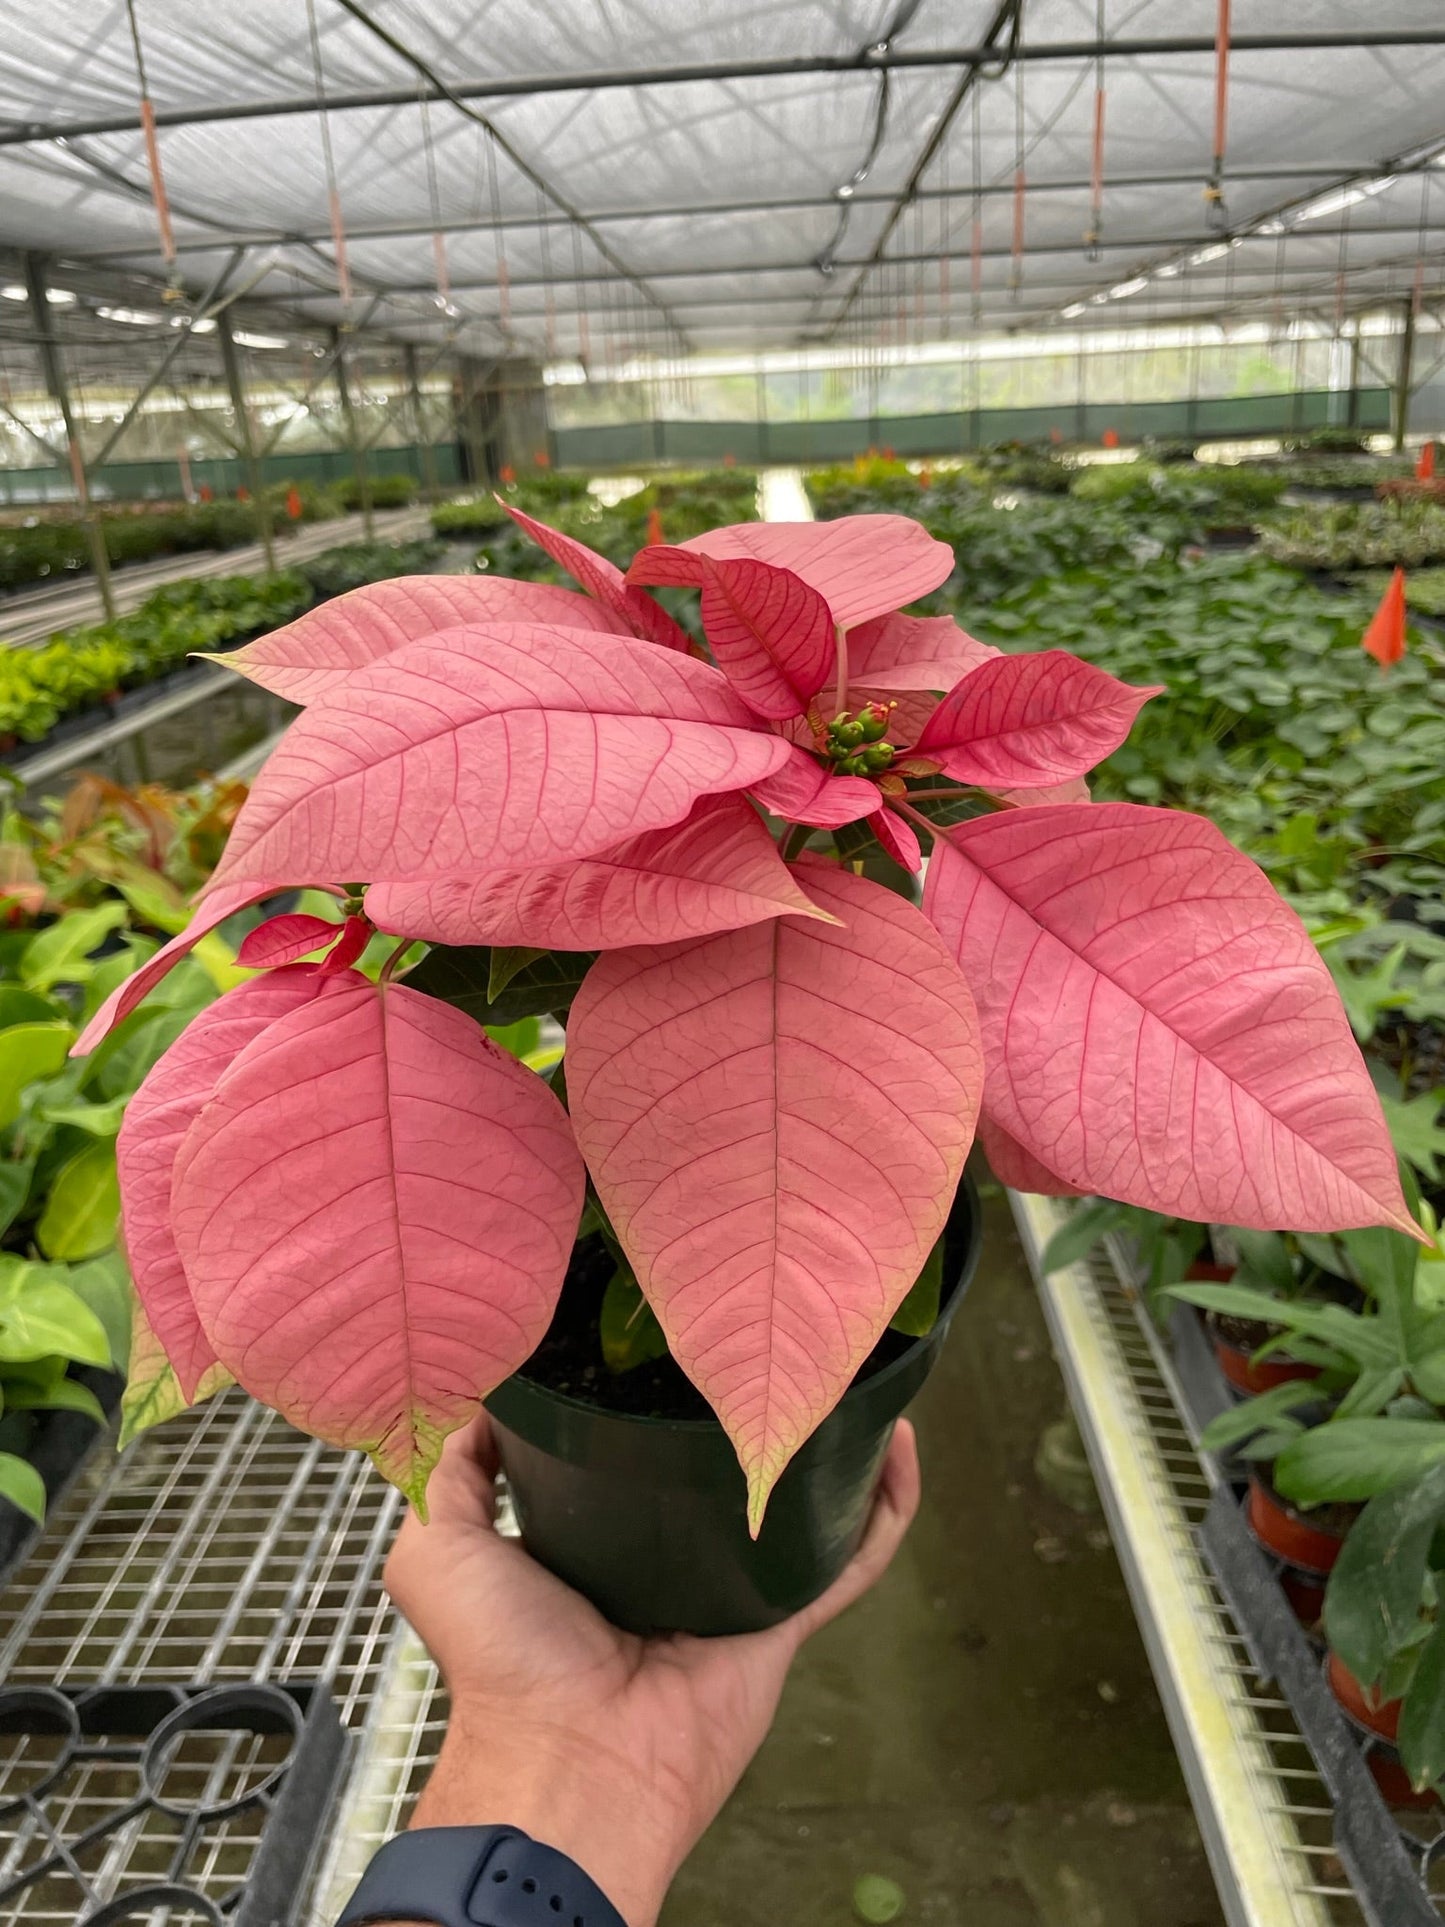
(340,1193)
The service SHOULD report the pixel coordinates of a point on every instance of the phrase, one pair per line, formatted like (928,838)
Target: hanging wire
(945,282)
(1016,263)
(499,241)
(153,158)
(976,231)
(874,50)
(1096,163)
(1342,270)
(549,329)
(438,238)
(1216,213)
(333,195)
(1417,295)
(584,330)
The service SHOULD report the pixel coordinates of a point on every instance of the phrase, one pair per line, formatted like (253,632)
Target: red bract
(341,1194)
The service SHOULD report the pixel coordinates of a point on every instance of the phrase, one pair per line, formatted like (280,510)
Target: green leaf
(1372,1603)
(41,1317)
(1264,1260)
(1085,1226)
(23,1486)
(507,960)
(81,1214)
(119,1066)
(100,1120)
(28,1053)
(112,970)
(518,1038)
(1422,1717)
(59,955)
(1371,1392)
(1257,1414)
(630,1333)
(1417,1130)
(541,988)
(1358,1458)
(14,1190)
(918,1313)
(66,1395)
(104,1284)
(21,1006)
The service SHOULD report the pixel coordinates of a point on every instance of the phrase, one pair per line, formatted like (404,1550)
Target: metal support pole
(424,446)
(353,437)
(1404,377)
(231,362)
(1353,417)
(50,359)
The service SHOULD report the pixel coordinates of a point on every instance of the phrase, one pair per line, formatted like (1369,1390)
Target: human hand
(617,1750)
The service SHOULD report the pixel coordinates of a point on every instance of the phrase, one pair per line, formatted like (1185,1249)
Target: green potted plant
(338,1192)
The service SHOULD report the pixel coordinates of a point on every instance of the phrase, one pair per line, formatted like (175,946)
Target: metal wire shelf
(1265,1817)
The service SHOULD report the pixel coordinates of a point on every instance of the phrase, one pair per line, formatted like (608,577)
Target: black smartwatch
(477,1877)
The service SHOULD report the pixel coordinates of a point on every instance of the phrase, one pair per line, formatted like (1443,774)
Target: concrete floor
(982,1730)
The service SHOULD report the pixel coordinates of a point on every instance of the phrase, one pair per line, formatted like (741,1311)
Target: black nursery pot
(647,1515)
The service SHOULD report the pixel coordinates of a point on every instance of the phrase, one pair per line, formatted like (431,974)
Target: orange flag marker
(1111,438)
(654,527)
(1425,467)
(293,503)
(1385,637)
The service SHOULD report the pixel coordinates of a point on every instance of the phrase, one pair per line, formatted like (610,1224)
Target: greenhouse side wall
(616,445)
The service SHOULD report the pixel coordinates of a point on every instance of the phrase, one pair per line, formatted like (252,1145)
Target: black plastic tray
(125,1799)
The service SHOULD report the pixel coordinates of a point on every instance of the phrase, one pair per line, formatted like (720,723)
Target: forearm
(581,1805)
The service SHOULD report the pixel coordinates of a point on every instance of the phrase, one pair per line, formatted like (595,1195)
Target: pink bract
(374,1210)
(341,1193)
(776,1120)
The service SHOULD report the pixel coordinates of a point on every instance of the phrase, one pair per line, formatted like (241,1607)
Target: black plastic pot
(647,1517)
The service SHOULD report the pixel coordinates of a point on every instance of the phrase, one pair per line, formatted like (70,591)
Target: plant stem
(840,647)
(388,969)
(795,841)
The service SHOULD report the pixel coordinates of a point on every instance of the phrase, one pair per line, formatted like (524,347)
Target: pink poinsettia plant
(341,1193)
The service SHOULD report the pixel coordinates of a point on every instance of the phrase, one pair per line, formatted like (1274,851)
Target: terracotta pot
(1306,1596)
(1376,1716)
(1248,1374)
(1311,1546)
(1201,1272)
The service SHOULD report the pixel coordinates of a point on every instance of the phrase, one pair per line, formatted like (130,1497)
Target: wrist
(584,1802)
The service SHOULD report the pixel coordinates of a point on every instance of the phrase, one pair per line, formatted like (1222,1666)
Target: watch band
(477,1877)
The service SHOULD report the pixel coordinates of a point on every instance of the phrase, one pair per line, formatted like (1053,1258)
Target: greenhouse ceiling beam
(404,230)
(780,67)
(927,257)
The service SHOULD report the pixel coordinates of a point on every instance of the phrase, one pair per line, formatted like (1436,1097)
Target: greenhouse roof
(524,176)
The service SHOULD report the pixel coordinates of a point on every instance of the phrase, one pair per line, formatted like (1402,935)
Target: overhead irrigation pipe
(442,90)
(25,133)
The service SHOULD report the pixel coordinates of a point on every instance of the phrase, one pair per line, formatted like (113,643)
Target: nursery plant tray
(1263,1812)
(118,1801)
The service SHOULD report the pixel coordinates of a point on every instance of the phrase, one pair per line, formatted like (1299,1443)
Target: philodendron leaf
(22,1485)
(1422,1717)
(59,954)
(28,1053)
(508,746)
(152,1392)
(1157,1025)
(40,1315)
(1357,1458)
(717,870)
(861,565)
(1373,1599)
(772,635)
(160,1114)
(65,1395)
(104,1284)
(306,659)
(83,1208)
(15,1178)
(375,1212)
(462,977)
(1082,1230)
(775,1120)
(1030,721)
